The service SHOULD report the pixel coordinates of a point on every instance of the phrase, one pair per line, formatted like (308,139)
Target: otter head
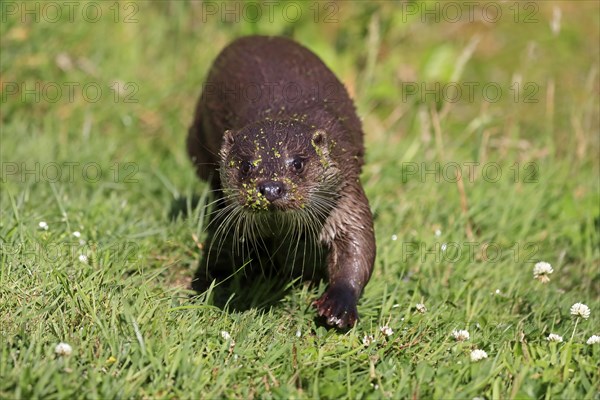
(280,166)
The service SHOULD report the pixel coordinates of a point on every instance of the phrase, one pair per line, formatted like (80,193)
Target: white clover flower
(298,333)
(444,246)
(553,337)
(421,308)
(63,349)
(580,310)
(83,258)
(593,339)
(225,335)
(43,225)
(477,355)
(438,233)
(386,330)
(367,340)
(541,271)
(461,335)
(77,234)
(394,237)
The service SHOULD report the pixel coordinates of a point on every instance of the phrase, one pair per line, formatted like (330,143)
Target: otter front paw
(338,306)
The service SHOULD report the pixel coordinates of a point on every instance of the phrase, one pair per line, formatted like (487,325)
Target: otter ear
(319,137)
(226,144)
(228,137)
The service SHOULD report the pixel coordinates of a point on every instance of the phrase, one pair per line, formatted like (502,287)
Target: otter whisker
(221,232)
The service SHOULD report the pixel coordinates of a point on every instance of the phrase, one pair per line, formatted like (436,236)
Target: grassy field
(100,237)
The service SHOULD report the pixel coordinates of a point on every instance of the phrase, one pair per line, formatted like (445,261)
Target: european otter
(277,135)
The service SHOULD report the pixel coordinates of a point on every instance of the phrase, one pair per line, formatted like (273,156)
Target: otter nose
(272,190)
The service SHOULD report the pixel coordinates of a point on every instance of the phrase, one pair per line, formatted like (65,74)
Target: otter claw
(338,306)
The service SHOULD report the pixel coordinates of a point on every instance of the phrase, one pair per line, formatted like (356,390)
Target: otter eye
(245,168)
(298,165)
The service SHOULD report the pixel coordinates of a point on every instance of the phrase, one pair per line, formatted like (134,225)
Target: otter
(278,138)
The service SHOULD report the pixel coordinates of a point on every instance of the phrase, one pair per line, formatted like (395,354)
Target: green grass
(138,331)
